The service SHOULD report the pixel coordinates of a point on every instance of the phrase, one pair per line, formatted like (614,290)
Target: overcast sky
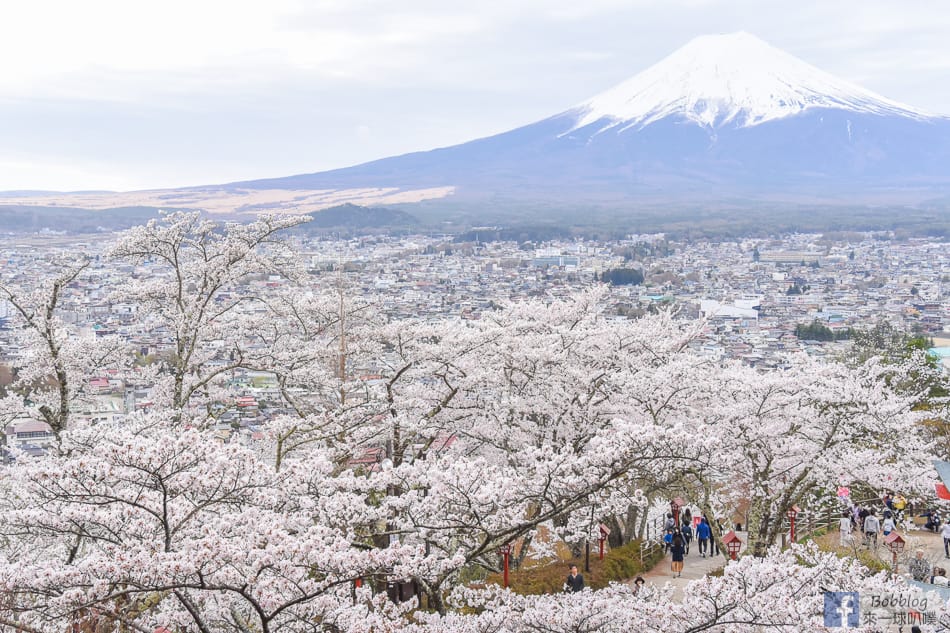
(123,94)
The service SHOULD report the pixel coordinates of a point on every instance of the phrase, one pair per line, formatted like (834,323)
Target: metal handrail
(646,546)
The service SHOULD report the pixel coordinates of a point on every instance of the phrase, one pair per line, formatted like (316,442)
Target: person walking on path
(844,528)
(888,525)
(667,541)
(945,533)
(687,533)
(669,528)
(677,550)
(713,543)
(703,532)
(670,524)
(574,582)
(871,527)
(900,502)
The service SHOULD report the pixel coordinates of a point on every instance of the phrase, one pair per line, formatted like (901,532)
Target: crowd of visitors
(894,511)
(680,532)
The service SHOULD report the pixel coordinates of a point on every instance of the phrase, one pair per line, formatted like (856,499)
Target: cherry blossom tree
(782,591)
(414,449)
(57,360)
(432,416)
(143,526)
(193,284)
(777,437)
(322,351)
(496,427)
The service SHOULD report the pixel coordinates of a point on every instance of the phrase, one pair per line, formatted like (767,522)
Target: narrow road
(930,542)
(694,567)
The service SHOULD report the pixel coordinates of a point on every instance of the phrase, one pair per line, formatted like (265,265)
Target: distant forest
(30,219)
(622,276)
(817,331)
(546,220)
(535,222)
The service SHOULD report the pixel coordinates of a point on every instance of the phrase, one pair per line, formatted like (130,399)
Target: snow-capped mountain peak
(725,122)
(734,79)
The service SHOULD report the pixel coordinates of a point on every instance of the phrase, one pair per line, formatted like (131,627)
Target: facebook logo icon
(842,609)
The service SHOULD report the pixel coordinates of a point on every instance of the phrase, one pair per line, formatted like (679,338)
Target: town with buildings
(755,297)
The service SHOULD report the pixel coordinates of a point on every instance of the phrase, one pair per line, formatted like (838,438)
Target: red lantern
(733,544)
(792,513)
(896,544)
(505,551)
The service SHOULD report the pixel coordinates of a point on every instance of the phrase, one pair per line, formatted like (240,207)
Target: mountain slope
(723,116)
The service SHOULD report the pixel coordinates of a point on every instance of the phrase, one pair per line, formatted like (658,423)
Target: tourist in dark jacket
(687,533)
(703,532)
(574,582)
(677,551)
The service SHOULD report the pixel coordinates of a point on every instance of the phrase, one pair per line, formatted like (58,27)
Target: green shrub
(624,563)
(871,560)
(619,564)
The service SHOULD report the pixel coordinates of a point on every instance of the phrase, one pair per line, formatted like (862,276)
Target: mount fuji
(725,117)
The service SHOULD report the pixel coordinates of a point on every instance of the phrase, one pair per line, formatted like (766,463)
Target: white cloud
(26,173)
(364,133)
(121,50)
(60,45)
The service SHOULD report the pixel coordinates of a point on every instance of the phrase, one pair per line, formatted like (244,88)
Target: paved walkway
(694,567)
(930,542)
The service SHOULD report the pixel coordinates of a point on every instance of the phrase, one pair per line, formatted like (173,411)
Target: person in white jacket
(871,528)
(945,533)
(844,528)
(888,525)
